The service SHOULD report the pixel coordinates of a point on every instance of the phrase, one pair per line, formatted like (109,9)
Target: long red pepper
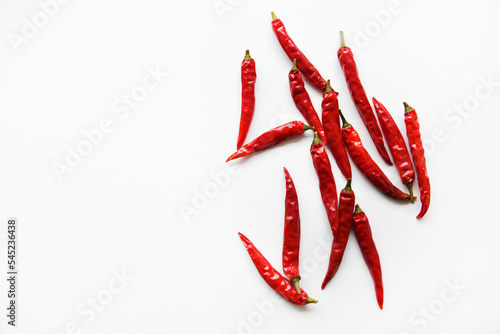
(291,238)
(417,152)
(248,77)
(346,207)
(271,138)
(397,146)
(333,130)
(327,185)
(293,52)
(364,236)
(303,101)
(359,97)
(273,278)
(366,165)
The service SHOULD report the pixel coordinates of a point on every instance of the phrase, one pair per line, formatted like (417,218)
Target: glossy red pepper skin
(366,165)
(291,238)
(303,102)
(293,52)
(417,152)
(327,186)
(273,278)
(346,207)
(248,77)
(360,99)
(333,130)
(271,138)
(364,236)
(397,146)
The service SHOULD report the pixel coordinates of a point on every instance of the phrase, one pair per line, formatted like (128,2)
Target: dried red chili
(397,146)
(273,278)
(291,238)
(303,101)
(271,138)
(331,124)
(327,185)
(293,52)
(366,165)
(346,207)
(359,97)
(417,152)
(248,77)
(364,236)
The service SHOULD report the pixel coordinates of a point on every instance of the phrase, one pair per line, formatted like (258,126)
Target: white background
(119,208)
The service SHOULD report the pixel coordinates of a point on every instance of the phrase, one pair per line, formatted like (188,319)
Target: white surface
(119,209)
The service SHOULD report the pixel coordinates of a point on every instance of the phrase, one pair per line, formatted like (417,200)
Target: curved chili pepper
(248,76)
(346,206)
(291,238)
(271,138)
(292,51)
(397,146)
(273,278)
(333,130)
(303,101)
(417,152)
(359,97)
(327,185)
(363,234)
(366,165)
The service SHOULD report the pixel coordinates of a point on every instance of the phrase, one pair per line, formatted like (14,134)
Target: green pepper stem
(316,139)
(348,188)
(295,282)
(409,185)
(345,124)
(273,16)
(308,127)
(309,300)
(247,55)
(328,88)
(342,41)
(294,66)
(407,108)
(357,209)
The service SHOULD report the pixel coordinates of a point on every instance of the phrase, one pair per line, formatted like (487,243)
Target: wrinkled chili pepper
(364,236)
(291,238)
(417,152)
(397,146)
(327,185)
(293,52)
(359,97)
(346,207)
(303,101)
(248,77)
(271,138)
(333,130)
(273,278)
(366,165)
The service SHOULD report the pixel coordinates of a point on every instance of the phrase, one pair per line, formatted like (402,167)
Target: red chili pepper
(363,234)
(327,185)
(397,146)
(333,130)
(248,77)
(303,101)
(366,165)
(291,238)
(273,278)
(293,52)
(417,152)
(346,206)
(359,97)
(271,138)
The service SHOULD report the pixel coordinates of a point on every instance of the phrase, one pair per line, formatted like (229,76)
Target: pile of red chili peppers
(332,131)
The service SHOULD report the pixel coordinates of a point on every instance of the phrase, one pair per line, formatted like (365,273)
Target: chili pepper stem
(357,209)
(308,127)
(409,185)
(316,139)
(294,66)
(309,300)
(247,55)
(342,41)
(348,186)
(344,122)
(328,88)
(408,108)
(273,16)
(295,282)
